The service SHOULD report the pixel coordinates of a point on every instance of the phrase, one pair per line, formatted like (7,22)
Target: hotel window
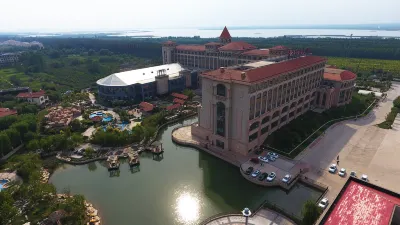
(252,104)
(221,119)
(264,130)
(219,144)
(253,137)
(265,120)
(258,105)
(264,102)
(254,126)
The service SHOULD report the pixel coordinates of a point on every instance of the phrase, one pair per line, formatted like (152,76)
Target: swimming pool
(107,119)
(2,183)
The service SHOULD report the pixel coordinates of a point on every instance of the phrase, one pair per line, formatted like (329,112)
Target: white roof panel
(141,76)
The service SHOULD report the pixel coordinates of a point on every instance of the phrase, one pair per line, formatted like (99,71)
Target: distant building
(38,98)
(224,53)
(142,84)
(8,58)
(363,203)
(243,104)
(7,112)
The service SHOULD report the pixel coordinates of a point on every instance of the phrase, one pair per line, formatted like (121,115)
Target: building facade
(38,98)
(8,59)
(244,104)
(142,84)
(219,54)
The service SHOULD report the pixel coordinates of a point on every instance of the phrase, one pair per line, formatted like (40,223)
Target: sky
(115,15)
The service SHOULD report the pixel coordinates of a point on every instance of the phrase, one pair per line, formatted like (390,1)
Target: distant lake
(257,33)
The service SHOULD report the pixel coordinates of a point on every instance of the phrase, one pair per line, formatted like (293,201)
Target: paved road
(361,147)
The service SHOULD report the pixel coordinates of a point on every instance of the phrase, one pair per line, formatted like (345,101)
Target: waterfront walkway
(262,217)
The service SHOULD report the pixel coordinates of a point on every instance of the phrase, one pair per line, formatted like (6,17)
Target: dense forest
(151,48)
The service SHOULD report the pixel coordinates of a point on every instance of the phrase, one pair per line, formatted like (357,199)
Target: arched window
(285,109)
(221,119)
(221,90)
(275,114)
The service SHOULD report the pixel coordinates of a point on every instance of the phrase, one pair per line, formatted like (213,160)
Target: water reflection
(92,166)
(187,208)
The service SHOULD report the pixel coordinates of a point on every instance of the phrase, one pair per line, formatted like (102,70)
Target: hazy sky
(78,15)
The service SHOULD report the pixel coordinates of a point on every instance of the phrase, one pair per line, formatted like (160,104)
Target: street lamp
(246,213)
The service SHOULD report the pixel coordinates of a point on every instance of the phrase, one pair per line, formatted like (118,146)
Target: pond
(186,186)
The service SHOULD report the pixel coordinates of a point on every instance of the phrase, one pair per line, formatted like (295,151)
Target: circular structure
(246,212)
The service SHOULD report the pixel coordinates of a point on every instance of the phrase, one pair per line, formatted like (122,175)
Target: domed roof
(338,74)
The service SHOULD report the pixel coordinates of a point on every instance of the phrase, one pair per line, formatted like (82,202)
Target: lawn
(291,135)
(367,66)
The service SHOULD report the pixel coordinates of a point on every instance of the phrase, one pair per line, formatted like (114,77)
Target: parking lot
(280,167)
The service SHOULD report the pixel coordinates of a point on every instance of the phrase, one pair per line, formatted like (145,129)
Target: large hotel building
(243,104)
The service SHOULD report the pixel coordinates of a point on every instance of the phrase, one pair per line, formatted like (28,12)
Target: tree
(310,212)
(22,127)
(89,152)
(5,144)
(76,138)
(45,143)
(33,145)
(396,102)
(14,136)
(189,93)
(75,125)
(7,208)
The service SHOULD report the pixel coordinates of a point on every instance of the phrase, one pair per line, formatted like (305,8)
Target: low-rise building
(141,84)
(59,117)
(7,112)
(38,98)
(8,58)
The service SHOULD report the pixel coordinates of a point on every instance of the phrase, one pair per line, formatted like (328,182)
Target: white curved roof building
(141,76)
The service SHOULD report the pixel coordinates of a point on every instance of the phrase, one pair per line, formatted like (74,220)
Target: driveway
(361,146)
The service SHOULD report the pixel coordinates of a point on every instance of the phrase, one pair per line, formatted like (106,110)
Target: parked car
(364,177)
(254,160)
(342,172)
(353,174)
(323,203)
(271,176)
(274,154)
(333,168)
(255,173)
(272,158)
(263,176)
(263,158)
(249,170)
(286,178)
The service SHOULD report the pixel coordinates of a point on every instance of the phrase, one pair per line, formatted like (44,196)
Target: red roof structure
(172,107)
(225,34)
(179,101)
(193,48)
(213,43)
(181,96)
(279,47)
(362,203)
(31,94)
(237,46)
(7,112)
(338,74)
(169,42)
(145,106)
(264,72)
(97,118)
(257,52)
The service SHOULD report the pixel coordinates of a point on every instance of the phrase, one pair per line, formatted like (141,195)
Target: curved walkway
(262,217)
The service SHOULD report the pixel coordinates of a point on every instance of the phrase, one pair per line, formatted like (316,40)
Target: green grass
(291,135)
(367,66)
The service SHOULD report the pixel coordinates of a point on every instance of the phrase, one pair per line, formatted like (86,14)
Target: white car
(272,158)
(342,172)
(271,176)
(263,158)
(364,177)
(286,178)
(323,203)
(333,168)
(255,173)
(273,154)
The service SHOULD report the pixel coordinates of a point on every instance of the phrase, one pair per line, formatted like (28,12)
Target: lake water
(185,187)
(257,32)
